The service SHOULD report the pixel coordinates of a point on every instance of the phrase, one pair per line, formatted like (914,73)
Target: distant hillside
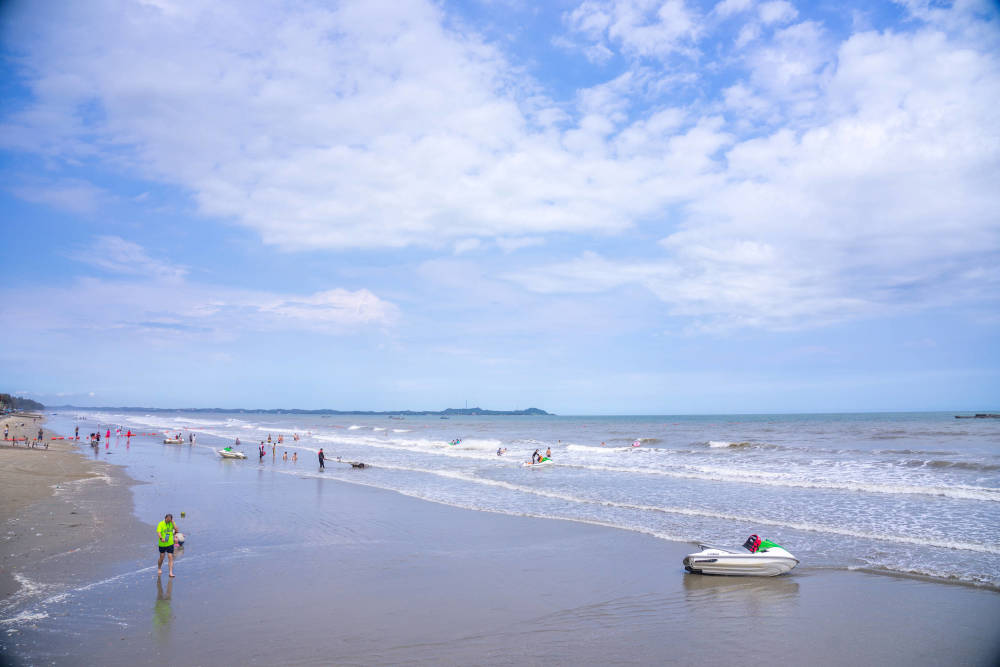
(294,411)
(8,402)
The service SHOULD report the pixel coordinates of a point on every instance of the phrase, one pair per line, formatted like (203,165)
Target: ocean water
(908,493)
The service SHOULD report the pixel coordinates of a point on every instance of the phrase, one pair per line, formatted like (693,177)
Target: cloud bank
(830,177)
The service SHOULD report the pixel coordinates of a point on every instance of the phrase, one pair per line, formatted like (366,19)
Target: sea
(895,493)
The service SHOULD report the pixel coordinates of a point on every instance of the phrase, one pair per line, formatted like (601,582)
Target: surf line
(806,527)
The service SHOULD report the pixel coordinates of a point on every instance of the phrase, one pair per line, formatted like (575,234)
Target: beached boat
(756,558)
(229,453)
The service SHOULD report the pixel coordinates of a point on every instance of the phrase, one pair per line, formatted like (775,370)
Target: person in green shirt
(165,533)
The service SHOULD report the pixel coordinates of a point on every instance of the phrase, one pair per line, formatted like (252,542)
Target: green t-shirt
(164,528)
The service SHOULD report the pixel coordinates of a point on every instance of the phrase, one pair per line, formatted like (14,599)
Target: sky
(589,207)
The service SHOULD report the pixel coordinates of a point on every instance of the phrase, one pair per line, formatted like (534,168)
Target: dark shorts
(167,550)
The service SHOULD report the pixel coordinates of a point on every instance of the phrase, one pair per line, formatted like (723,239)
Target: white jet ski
(539,464)
(173,441)
(230,453)
(756,558)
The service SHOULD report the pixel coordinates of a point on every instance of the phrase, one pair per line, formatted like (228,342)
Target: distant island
(463,412)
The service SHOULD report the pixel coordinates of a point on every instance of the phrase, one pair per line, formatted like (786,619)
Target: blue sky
(596,207)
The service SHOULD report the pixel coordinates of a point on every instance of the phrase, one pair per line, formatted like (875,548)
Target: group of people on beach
(37,441)
(274,451)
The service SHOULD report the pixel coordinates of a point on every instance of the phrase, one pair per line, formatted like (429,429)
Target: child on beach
(284,457)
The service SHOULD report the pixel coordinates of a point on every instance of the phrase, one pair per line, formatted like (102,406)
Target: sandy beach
(54,508)
(284,565)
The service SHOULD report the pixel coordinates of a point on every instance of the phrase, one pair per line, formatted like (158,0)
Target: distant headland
(462,412)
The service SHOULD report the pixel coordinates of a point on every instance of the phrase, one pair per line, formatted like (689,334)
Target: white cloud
(115,254)
(71,195)
(777,11)
(510,244)
(640,28)
(880,198)
(467,245)
(728,8)
(332,307)
(151,298)
(865,170)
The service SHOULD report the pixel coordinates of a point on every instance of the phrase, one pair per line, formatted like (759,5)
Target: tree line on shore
(10,403)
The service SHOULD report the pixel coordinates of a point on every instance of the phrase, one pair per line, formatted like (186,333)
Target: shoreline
(85,469)
(358,574)
(52,510)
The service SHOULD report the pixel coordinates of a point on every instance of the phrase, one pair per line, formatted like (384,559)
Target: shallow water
(906,493)
(285,564)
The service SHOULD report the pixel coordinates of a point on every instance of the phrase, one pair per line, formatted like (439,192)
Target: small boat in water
(756,558)
(173,441)
(230,453)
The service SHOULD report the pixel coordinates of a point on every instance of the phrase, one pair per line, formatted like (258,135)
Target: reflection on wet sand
(748,595)
(162,614)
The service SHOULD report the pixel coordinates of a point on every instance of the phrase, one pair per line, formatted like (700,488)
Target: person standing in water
(165,532)
(548,453)
(322,459)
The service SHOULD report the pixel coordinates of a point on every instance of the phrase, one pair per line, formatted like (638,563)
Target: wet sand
(308,569)
(55,509)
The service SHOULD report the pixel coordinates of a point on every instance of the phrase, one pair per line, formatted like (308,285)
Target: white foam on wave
(588,449)
(492,510)
(767,478)
(354,427)
(795,525)
(25,617)
(472,448)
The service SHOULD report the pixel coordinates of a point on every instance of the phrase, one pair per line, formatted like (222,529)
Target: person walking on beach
(6,430)
(165,532)
(322,459)
(76,434)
